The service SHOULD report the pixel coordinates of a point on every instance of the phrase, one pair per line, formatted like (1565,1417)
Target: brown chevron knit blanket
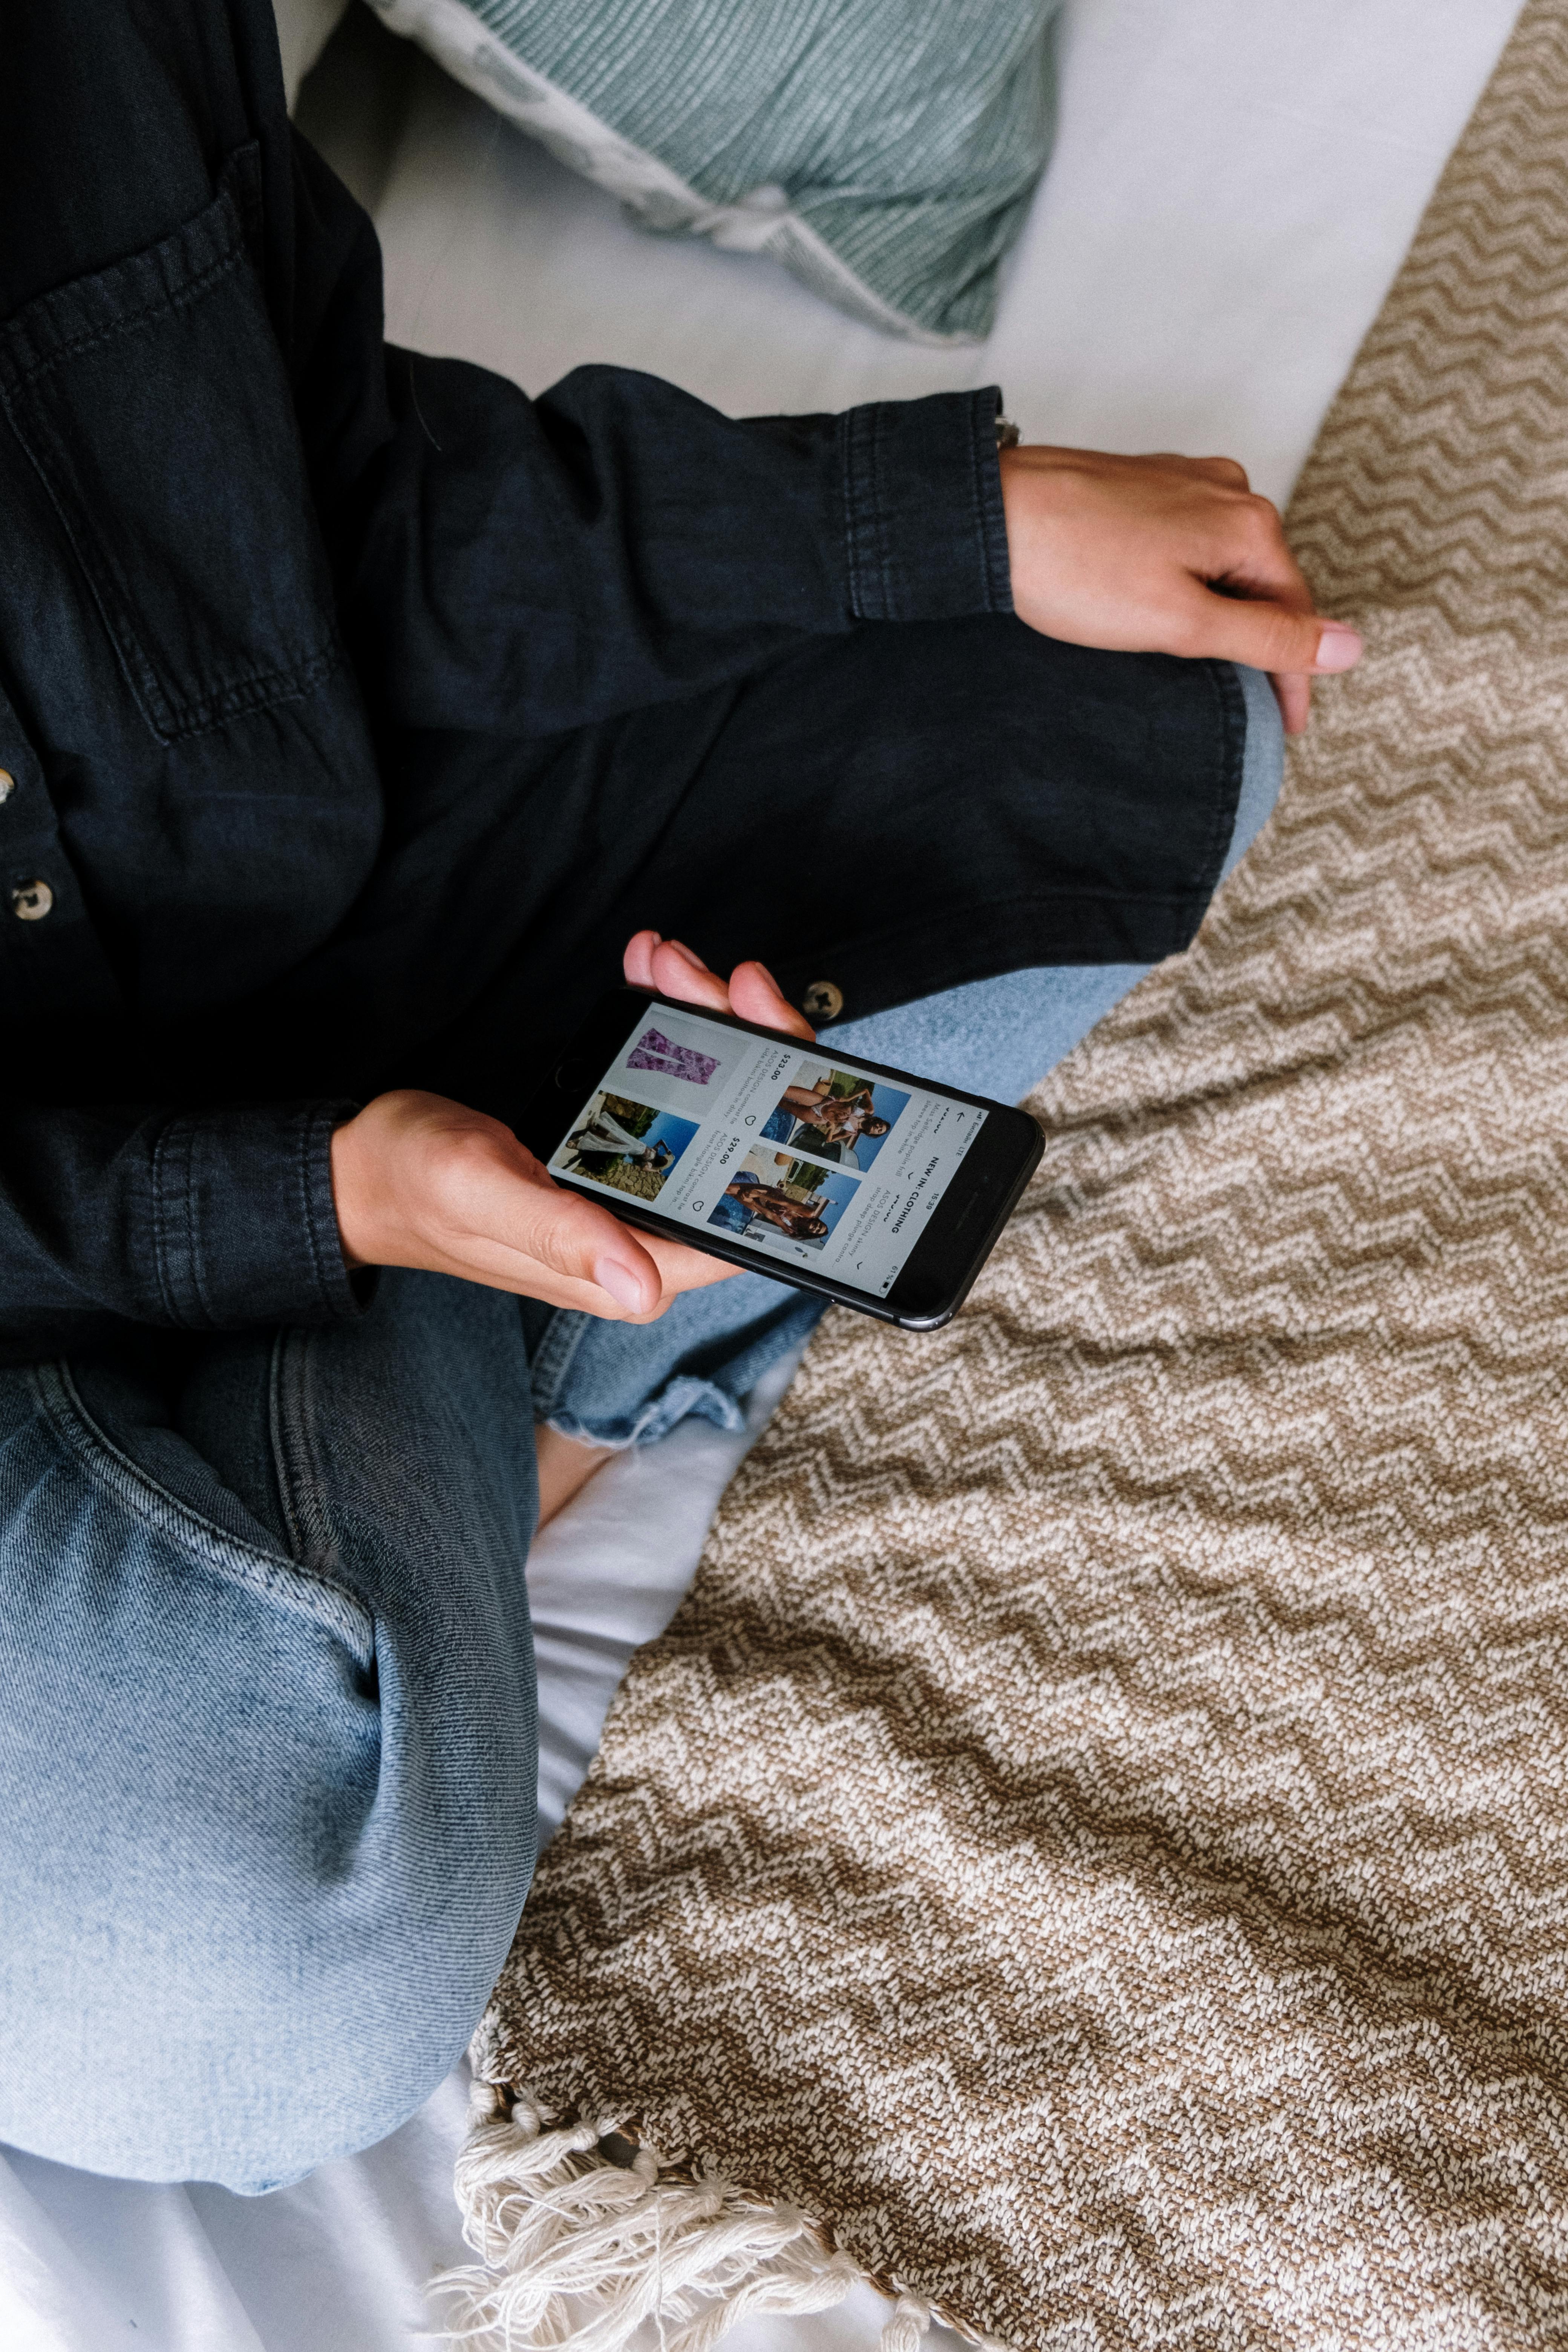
(1091,1852)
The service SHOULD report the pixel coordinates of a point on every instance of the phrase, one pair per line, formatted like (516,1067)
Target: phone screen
(790,1148)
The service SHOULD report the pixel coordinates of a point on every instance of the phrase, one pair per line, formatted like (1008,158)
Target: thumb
(1272,637)
(576,1237)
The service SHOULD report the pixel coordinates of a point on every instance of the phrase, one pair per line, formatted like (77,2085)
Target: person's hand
(419,1180)
(1169,555)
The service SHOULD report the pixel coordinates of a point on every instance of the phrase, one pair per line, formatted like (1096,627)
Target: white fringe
(580,2249)
(911,2318)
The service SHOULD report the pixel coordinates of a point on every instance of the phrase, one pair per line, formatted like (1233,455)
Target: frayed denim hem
(684,1397)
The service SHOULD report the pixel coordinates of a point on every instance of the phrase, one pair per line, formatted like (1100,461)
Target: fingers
(422,1181)
(755,995)
(1269,636)
(638,962)
(571,1236)
(683,1268)
(606,1269)
(653,961)
(1223,470)
(1265,573)
(418,1181)
(1165,554)
(675,971)
(1293,693)
(1249,555)
(620,1274)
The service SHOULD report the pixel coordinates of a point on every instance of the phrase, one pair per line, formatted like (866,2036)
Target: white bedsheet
(1234,184)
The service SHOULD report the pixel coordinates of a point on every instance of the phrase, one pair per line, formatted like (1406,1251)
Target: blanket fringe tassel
(580,2249)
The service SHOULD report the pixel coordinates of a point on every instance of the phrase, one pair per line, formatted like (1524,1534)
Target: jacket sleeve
(534,565)
(539,565)
(199,1222)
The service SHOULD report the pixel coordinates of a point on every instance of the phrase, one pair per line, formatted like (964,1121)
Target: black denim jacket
(244,544)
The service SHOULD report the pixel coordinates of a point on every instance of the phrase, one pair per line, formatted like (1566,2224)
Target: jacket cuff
(245,1227)
(926,535)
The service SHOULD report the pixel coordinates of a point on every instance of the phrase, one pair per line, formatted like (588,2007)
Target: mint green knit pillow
(884,150)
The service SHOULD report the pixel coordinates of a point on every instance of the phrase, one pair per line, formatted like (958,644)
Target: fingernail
(624,1286)
(1339,648)
(685,953)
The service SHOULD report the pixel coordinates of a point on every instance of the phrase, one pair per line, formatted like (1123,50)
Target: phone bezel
(936,1277)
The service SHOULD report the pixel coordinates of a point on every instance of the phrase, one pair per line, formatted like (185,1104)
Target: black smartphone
(795,1161)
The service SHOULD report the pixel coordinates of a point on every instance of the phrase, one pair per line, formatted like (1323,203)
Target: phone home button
(573,1077)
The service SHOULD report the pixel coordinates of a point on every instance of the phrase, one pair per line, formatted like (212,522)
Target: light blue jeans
(267,1707)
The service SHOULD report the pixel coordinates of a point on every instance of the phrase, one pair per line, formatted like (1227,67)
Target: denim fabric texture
(624,1384)
(360,707)
(266,1675)
(267,1736)
(1000,1036)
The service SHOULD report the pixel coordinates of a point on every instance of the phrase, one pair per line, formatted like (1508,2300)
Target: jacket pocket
(152,400)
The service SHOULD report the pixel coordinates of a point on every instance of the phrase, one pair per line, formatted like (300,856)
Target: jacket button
(8,785)
(31,901)
(822,1001)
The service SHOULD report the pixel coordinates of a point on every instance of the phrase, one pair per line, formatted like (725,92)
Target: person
(747,1197)
(827,1124)
(604,1138)
(362,719)
(850,1118)
(844,1120)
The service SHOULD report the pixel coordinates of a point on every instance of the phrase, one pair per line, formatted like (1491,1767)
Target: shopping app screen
(789,1147)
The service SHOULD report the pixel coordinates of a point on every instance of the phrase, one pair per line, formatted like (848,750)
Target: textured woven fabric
(884,150)
(1096,1836)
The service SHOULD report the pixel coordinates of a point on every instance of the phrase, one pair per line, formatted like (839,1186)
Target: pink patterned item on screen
(653,1051)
